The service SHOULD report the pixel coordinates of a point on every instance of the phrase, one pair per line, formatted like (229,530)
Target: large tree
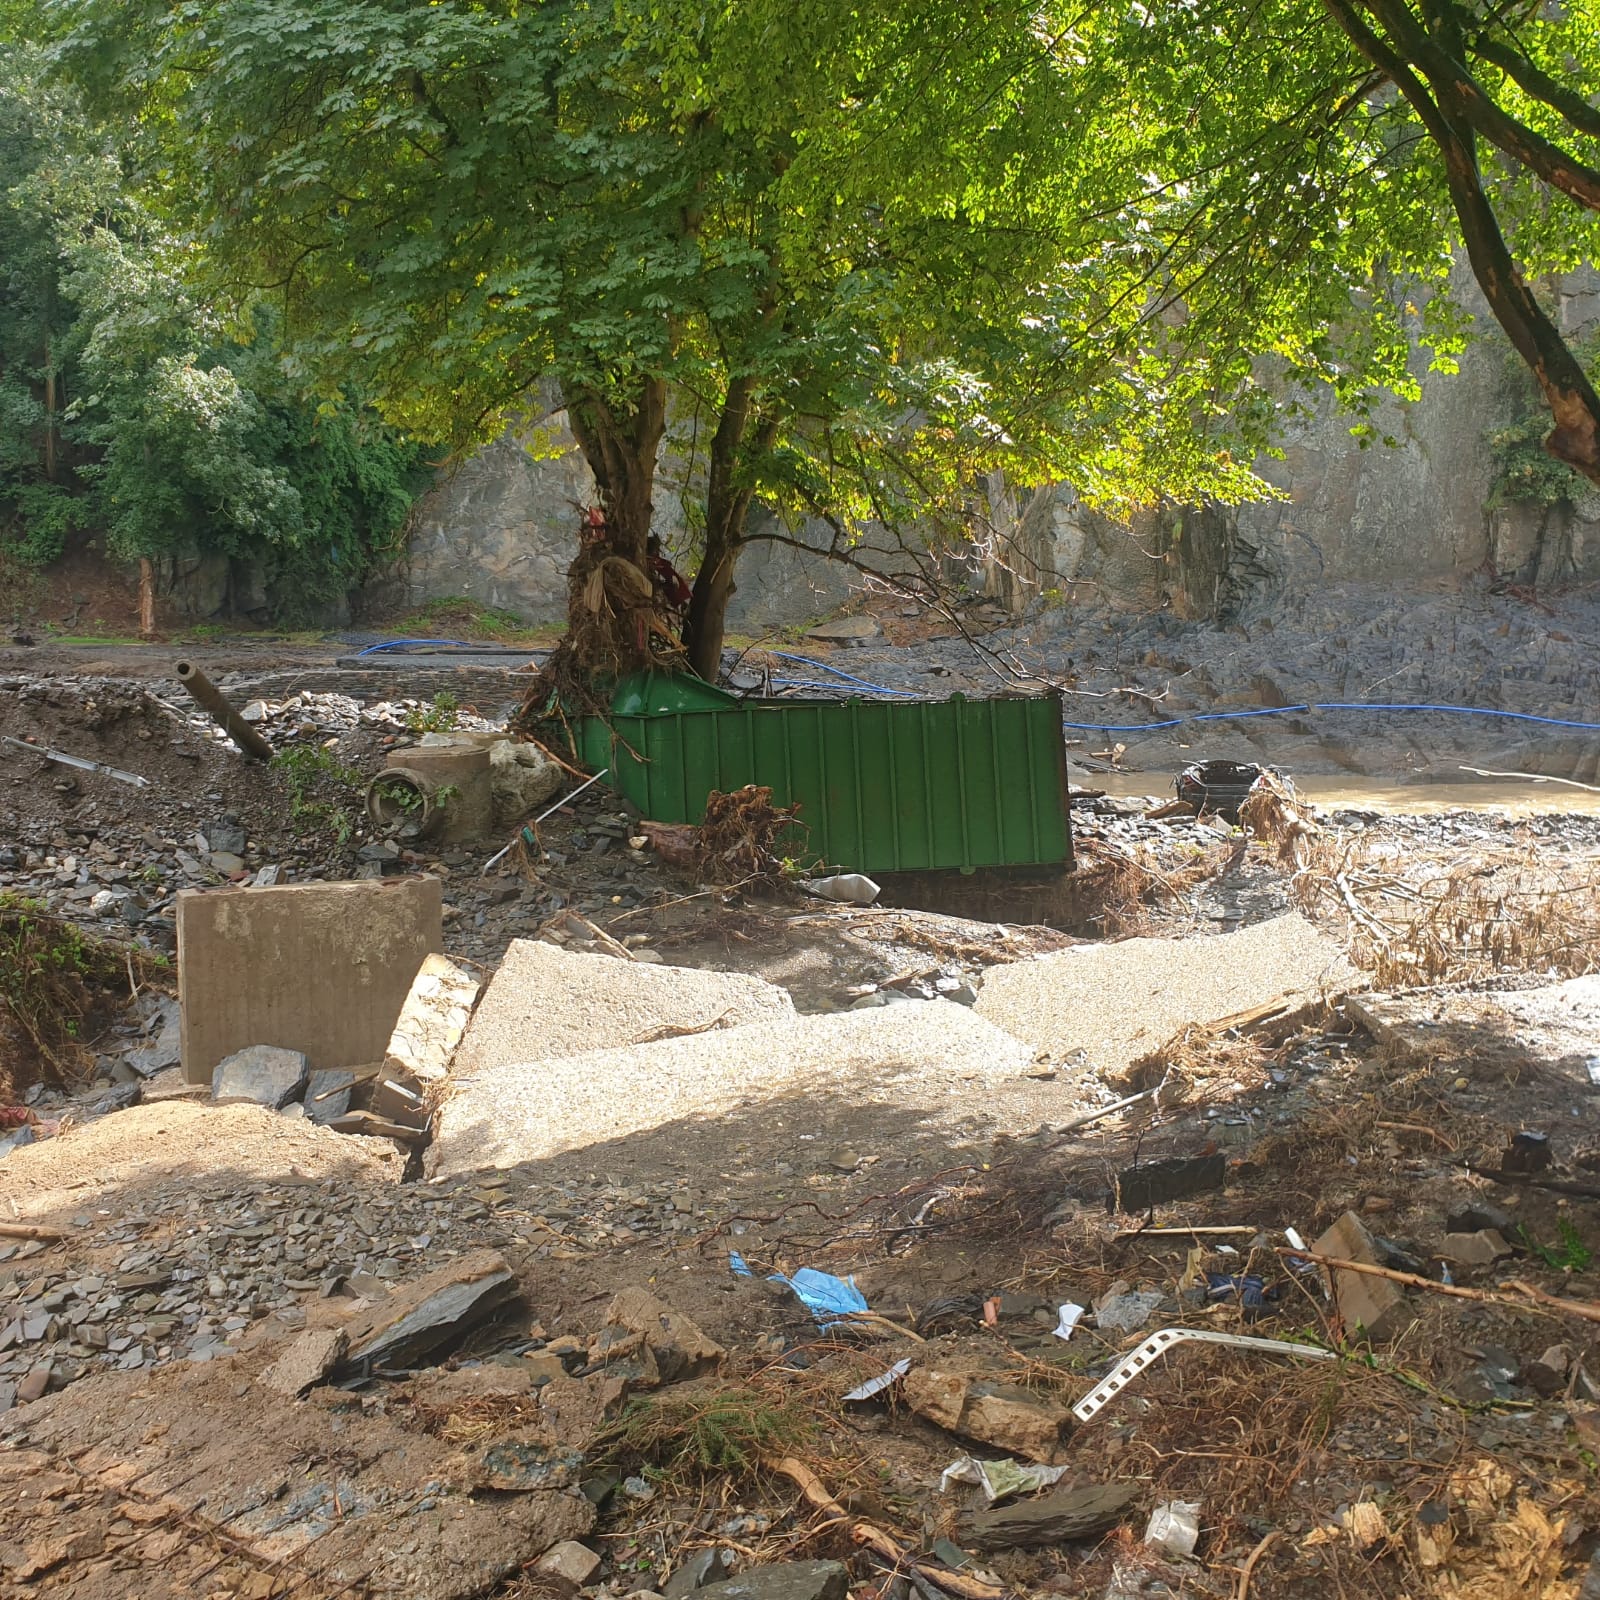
(798,239)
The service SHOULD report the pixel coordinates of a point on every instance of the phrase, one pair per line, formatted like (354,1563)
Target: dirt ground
(1454,1456)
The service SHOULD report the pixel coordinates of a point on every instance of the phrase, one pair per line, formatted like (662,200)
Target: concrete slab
(432,1019)
(1117,1002)
(903,1056)
(322,968)
(545,1001)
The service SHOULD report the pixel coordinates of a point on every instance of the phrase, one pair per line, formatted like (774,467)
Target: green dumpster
(896,786)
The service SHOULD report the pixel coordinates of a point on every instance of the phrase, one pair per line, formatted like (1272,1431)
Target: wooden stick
(875,1539)
(1248,1569)
(26,1230)
(1177,1233)
(1532,777)
(1577,1308)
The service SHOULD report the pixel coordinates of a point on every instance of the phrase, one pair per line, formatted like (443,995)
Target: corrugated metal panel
(902,786)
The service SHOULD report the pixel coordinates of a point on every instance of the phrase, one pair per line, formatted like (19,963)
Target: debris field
(1222,1223)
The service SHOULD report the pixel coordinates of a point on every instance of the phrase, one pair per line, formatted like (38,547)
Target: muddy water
(1516,797)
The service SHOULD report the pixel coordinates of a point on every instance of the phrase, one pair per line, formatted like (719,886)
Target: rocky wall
(1413,511)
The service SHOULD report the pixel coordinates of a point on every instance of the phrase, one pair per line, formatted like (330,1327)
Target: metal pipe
(214,703)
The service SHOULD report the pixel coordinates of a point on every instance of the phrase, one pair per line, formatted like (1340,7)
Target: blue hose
(401,644)
(1210,716)
(1330,705)
(839,672)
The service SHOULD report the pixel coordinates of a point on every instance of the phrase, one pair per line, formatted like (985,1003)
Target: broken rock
(575,1562)
(790,1580)
(707,1566)
(991,1412)
(432,1020)
(681,1350)
(420,1317)
(306,1362)
(260,1073)
(1480,1249)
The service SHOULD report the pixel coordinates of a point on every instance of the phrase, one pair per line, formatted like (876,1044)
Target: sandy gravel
(916,1057)
(545,1001)
(1116,1002)
(176,1141)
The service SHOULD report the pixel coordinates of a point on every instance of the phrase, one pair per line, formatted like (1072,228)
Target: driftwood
(1586,1309)
(26,1230)
(876,1540)
(1051,1519)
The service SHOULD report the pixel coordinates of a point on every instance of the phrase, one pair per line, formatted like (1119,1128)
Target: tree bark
(621,448)
(147,598)
(729,492)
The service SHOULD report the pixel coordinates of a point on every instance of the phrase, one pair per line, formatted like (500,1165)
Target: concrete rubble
(524,1108)
(545,1002)
(1109,1004)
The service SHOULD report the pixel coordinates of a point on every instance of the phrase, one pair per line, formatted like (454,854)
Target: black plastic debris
(1154,1183)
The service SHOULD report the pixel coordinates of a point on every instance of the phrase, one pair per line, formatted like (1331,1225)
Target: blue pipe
(401,644)
(1330,705)
(839,672)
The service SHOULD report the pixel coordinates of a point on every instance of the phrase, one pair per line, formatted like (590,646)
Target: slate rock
(789,1580)
(846,630)
(575,1562)
(421,1317)
(708,1566)
(328,1094)
(225,835)
(1476,1215)
(262,1074)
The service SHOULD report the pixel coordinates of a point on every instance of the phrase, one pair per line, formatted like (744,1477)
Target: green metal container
(896,786)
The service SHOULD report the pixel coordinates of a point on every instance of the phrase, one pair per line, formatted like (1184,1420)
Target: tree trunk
(147,598)
(620,448)
(728,496)
(1442,107)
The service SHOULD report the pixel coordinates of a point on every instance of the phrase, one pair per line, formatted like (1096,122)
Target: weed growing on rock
(322,791)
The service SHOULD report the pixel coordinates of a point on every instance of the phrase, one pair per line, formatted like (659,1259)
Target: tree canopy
(134,407)
(860,254)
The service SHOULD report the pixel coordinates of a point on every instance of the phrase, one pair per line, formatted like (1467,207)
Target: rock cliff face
(1415,513)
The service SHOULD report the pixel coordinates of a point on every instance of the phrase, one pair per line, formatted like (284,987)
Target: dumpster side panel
(885,787)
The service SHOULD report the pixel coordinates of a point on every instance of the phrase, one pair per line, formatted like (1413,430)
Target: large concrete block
(322,968)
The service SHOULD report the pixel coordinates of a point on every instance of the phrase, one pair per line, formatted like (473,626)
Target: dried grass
(1119,893)
(1441,919)
(744,839)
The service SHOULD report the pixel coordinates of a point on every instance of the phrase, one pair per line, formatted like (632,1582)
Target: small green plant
(444,794)
(1571,1254)
(440,717)
(404,797)
(727,1432)
(458,617)
(54,979)
(322,791)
